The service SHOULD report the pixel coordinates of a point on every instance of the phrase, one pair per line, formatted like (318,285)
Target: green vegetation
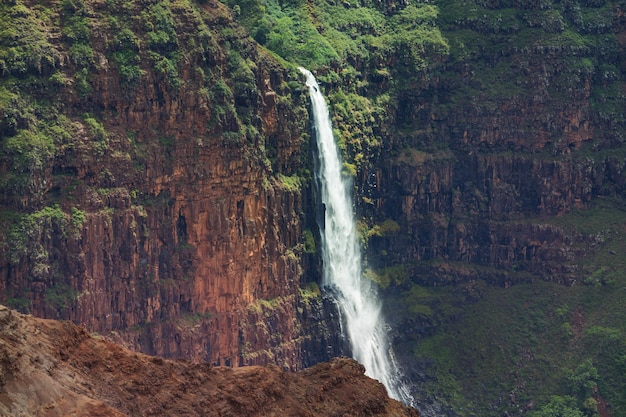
(500,44)
(286,29)
(395,274)
(325,33)
(265,307)
(162,41)
(28,233)
(61,296)
(551,349)
(21,304)
(387,228)
(33,127)
(601,217)
(34,240)
(310,292)
(559,407)
(75,27)
(604,221)
(97,132)
(358,119)
(125,54)
(192,319)
(418,300)
(350,45)
(291,183)
(309,242)
(35,134)
(77,220)
(31,150)
(513,337)
(24,47)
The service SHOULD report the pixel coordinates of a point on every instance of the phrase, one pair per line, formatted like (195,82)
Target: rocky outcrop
(68,372)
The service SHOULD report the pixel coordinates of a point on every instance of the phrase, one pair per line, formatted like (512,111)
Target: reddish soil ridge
(53,368)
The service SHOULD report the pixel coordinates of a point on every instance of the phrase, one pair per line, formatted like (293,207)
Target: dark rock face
(489,166)
(321,320)
(475,210)
(494,140)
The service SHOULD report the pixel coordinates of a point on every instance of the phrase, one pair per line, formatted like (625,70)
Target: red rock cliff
(169,213)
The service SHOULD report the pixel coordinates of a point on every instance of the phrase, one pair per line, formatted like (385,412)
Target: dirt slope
(52,368)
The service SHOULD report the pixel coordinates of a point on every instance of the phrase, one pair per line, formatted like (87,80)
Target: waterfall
(341,256)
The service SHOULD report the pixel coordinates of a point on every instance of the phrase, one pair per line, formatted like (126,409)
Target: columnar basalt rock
(185,226)
(477,210)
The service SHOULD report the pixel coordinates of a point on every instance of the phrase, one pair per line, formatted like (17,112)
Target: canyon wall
(166,213)
(496,199)
(520,124)
(155,174)
(488,210)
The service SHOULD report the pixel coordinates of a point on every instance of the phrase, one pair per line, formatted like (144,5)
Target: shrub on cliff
(24,47)
(559,407)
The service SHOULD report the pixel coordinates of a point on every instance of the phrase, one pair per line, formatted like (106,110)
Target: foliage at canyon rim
(351,47)
(486,141)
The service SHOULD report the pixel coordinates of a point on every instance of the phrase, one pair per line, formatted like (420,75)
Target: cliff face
(521,123)
(150,179)
(480,210)
(67,372)
(501,177)
(153,177)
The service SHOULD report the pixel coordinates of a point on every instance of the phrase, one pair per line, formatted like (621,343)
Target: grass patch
(291,183)
(192,319)
(603,216)
(24,46)
(513,337)
(61,296)
(310,292)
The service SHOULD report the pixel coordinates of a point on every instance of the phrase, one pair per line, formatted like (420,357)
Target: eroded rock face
(67,372)
(483,151)
(161,220)
(477,210)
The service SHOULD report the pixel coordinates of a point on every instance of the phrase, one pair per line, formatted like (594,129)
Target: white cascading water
(341,257)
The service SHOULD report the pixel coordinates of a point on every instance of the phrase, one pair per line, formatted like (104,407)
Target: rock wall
(506,134)
(480,210)
(165,219)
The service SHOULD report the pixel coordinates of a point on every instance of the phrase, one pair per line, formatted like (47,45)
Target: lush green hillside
(363,54)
